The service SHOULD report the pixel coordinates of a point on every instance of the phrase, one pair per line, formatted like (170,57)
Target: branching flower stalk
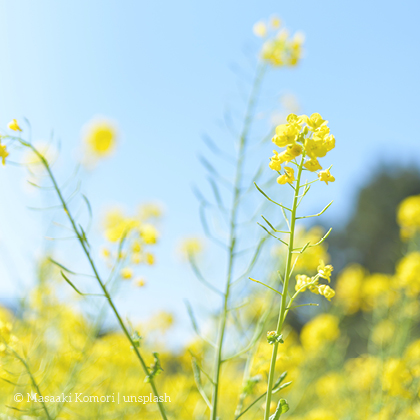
(309,138)
(82,239)
(279,50)
(233,235)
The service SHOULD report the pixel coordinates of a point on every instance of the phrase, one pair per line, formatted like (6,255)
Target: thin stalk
(232,235)
(34,383)
(283,303)
(82,242)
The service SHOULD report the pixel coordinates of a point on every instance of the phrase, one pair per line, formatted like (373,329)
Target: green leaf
(61,266)
(71,284)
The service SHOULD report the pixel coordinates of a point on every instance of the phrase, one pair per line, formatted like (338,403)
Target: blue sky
(163,71)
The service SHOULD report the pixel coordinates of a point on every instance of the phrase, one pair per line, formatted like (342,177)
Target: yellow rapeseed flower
(320,331)
(100,137)
(326,291)
(325,271)
(408,216)
(288,176)
(312,165)
(275,22)
(326,176)
(302,281)
(260,29)
(349,286)
(191,247)
(140,282)
(126,273)
(3,153)
(150,259)
(383,332)
(149,233)
(408,273)
(13,125)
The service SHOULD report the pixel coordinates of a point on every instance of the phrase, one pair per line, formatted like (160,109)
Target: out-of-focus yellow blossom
(150,259)
(321,330)
(330,385)
(106,253)
(35,162)
(383,332)
(362,372)
(324,271)
(141,282)
(134,236)
(260,29)
(408,216)
(100,137)
(136,246)
(13,125)
(376,290)
(117,224)
(275,22)
(191,247)
(126,273)
(396,378)
(287,177)
(3,153)
(320,414)
(5,334)
(326,176)
(326,291)
(349,288)
(279,49)
(303,134)
(150,211)
(408,273)
(162,321)
(149,234)
(283,50)
(412,358)
(136,258)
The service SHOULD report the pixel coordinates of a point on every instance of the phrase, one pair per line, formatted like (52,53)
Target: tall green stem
(283,303)
(82,241)
(232,235)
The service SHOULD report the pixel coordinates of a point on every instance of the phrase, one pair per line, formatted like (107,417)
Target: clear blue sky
(162,70)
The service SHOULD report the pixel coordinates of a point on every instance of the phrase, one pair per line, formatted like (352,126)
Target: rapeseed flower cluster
(279,48)
(305,135)
(138,233)
(303,282)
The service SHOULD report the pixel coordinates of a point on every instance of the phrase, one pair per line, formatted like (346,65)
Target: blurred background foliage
(371,235)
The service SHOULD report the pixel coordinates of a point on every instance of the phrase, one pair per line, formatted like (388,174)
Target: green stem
(82,241)
(34,383)
(283,303)
(232,236)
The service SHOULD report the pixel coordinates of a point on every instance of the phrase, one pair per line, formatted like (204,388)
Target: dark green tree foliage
(371,237)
